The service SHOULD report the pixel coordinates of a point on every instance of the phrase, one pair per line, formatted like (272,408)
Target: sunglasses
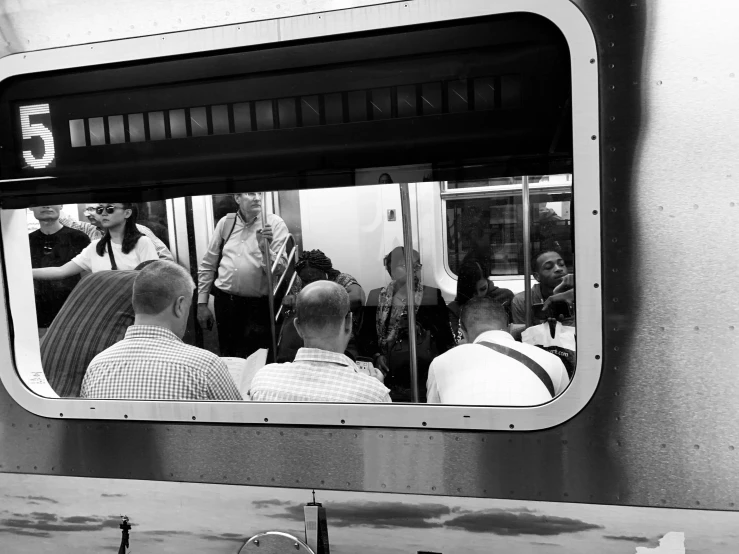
(107,209)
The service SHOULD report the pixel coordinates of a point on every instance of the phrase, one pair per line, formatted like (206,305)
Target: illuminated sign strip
(479,94)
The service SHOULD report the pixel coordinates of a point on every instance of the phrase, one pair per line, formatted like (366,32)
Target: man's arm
(432,389)
(280,233)
(88,228)
(162,250)
(220,384)
(207,268)
(518,310)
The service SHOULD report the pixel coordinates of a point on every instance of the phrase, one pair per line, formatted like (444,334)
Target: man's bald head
(321,309)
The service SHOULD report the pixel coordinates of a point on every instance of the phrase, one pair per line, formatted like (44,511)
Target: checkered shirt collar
(150,332)
(324,356)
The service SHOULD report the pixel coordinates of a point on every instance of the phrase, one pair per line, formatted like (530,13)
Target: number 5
(30,130)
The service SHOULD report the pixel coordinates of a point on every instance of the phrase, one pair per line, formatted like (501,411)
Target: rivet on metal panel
(342,421)
(256,542)
(595,285)
(383,486)
(593,137)
(615,348)
(423,423)
(731,504)
(297,546)
(614,240)
(613,148)
(433,488)
(61,415)
(612,87)
(659,82)
(614,270)
(731,448)
(597,357)
(611,65)
(611,44)
(610,16)
(661,328)
(511,426)
(731,204)
(592,60)
(697,503)
(731,327)
(696,328)
(696,446)
(695,206)
(125,416)
(266,419)
(660,208)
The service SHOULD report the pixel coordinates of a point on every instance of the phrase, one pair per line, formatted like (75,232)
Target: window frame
(25,354)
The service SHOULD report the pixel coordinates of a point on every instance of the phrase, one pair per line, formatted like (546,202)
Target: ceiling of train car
(27,25)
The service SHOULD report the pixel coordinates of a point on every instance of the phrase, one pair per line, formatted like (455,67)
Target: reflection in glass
(136,127)
(77,132)
(97,131)
(117,132)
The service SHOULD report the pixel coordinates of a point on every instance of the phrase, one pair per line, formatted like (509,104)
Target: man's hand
(266,233)
(381,363)
(205,317)
(377,374)
(568,283)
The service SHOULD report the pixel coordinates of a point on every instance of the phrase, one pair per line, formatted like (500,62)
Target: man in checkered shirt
(152,362)
(321,372)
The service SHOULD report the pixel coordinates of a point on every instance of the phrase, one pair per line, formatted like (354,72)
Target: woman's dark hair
(467,277)
(131,234)
(318,260)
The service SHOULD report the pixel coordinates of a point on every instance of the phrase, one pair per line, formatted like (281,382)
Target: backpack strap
(113,265)
(224,240)
(525,360)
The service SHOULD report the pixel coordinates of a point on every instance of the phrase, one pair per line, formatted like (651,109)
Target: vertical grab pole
(270,292)
(526,247)
(405,210)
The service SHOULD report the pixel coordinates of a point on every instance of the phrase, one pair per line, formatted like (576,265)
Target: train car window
(360,208)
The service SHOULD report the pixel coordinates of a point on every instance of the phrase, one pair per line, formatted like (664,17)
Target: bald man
(321,372)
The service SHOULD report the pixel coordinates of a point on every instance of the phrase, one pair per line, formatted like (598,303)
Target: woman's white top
(89,260)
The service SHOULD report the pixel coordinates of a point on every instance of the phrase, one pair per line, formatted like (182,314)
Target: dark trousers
(243,324)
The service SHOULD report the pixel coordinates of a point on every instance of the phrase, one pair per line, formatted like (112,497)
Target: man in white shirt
(492,369)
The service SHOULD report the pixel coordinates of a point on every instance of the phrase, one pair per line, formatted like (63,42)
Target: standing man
(53,245)
(234,271)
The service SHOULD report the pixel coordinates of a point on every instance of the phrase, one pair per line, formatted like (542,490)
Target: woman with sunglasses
(121,247)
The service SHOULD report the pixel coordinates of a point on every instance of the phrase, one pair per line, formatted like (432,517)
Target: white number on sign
(30,130)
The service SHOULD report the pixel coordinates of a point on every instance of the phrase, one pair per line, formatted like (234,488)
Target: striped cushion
(94,317)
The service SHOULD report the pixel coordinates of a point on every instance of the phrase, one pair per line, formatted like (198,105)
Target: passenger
(549,270)
(234,271)
(152,362)
(384,331)
(385,179)
(94,229)
(315,266)
(320,372)
(53,245)
(122,246)
(95,316)
(492,369)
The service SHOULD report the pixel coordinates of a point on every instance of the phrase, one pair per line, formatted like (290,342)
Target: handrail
(282,306)
(282,277)
(271,298)
(504,190)
(281,251)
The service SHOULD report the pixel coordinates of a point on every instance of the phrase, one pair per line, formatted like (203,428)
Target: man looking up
(53,245)
(492,369)
(321,372)
(152,362)
(548,268)
(234,270)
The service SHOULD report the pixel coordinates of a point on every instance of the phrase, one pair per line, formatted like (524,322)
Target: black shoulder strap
(224,241)
(113,266)
(525,360)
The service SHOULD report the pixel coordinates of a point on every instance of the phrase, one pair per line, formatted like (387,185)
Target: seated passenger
(152,362)
(315,266)
(549,269)
(384,331)
(492,369)
(320,372)
(94,317)
(472,282)
(122,247)
(94,229)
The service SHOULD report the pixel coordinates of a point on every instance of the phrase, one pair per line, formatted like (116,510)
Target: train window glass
(510,91)
(265,118)
(136,130)
(310,109)
(380,102)
(117,132)
(156,125)
(97,131)
(457,94)
(407,101)
(199,121)
(177,125)
(491,226)
(485,93)
(431,98)
(488,70)
(357,100)
(242,117)
(77,132)
(220,120)
(334,108)
(286,110)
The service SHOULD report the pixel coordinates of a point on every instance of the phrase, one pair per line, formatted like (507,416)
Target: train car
(483,130)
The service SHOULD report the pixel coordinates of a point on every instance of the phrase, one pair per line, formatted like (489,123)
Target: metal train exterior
(658,428)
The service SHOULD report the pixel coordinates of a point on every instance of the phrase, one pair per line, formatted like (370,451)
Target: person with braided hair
(313,266)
